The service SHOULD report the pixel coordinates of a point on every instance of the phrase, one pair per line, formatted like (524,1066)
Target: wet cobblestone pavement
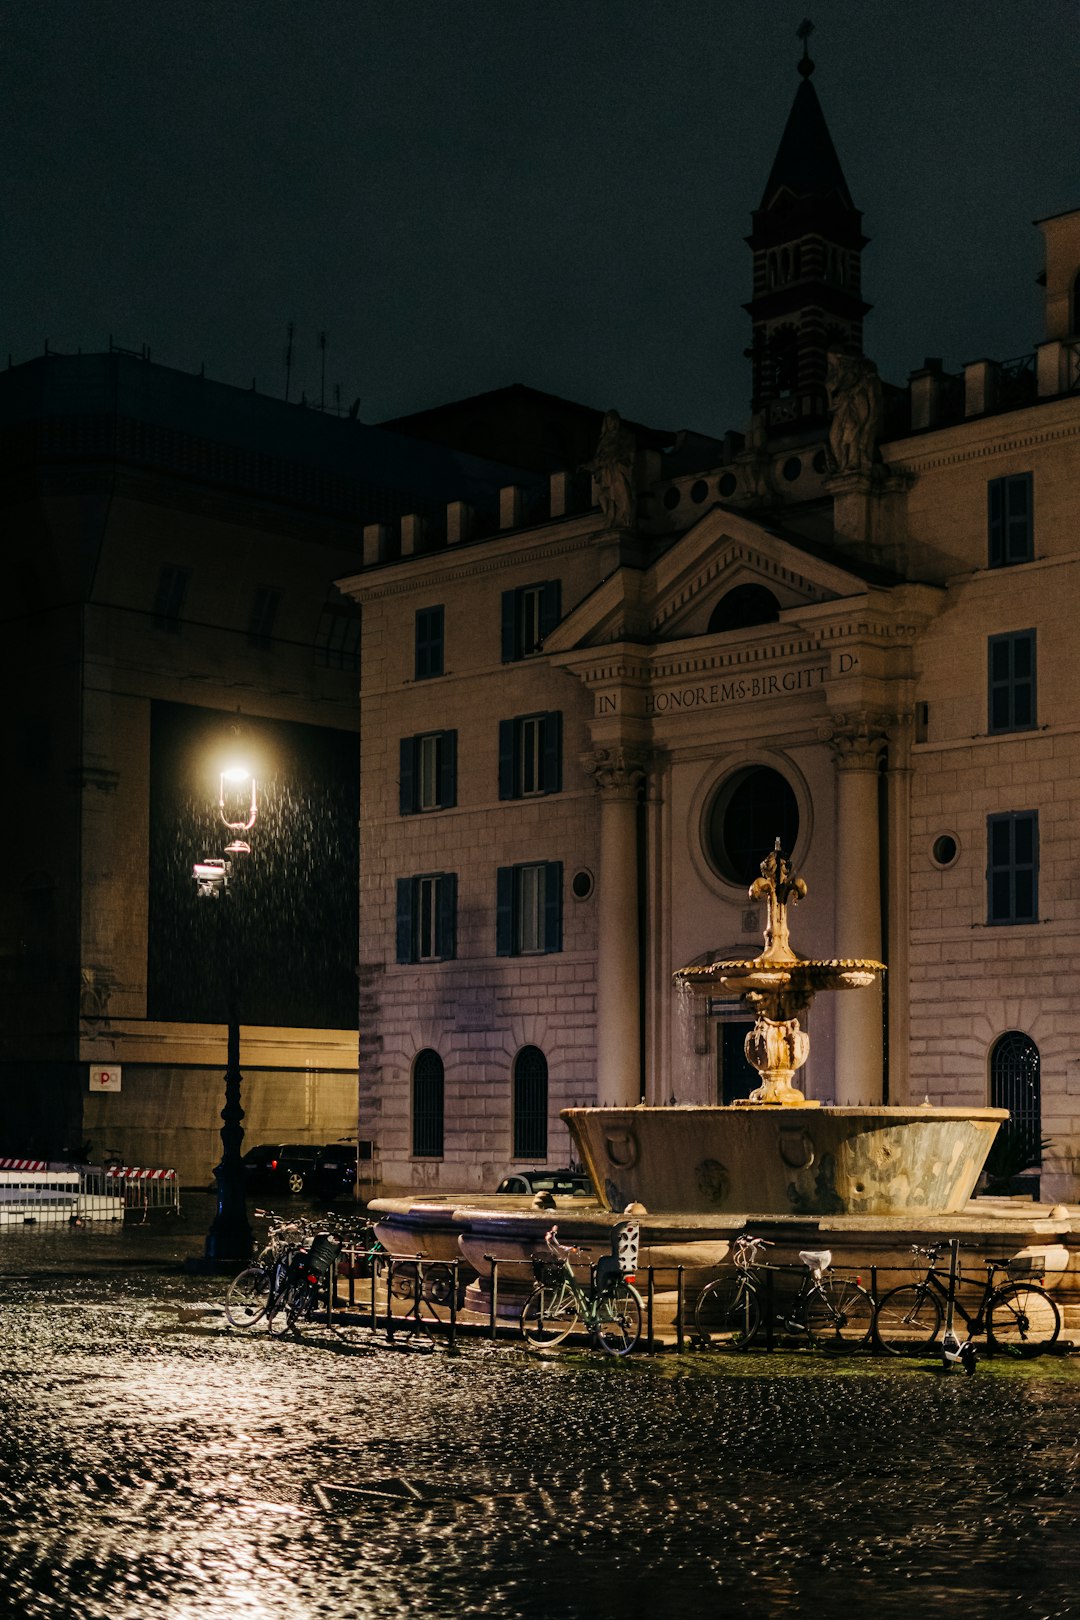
(155,1463)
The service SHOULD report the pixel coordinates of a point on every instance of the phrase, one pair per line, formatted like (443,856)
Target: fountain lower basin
(866,1161)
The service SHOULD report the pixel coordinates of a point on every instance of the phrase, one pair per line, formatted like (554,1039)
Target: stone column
(858,741)
(619,773)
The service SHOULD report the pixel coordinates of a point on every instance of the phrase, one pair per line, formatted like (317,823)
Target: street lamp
(229,1238)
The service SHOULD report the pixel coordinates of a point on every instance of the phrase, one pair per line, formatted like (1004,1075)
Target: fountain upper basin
(873,1161)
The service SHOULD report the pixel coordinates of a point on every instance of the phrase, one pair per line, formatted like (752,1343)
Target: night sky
(493,191)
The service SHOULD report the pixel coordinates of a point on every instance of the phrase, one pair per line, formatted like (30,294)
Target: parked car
(561,1183)
(335,1169)
(290,1167)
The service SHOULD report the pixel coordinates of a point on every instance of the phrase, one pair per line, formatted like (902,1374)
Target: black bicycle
(1018,1317)
(833,1313)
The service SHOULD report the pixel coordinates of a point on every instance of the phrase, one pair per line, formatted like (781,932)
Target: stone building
(170,550)
(846,628)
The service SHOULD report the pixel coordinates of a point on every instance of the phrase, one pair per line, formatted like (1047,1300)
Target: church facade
(847,629)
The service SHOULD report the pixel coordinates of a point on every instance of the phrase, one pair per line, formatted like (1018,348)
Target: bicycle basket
(548,1271)
(323,1252)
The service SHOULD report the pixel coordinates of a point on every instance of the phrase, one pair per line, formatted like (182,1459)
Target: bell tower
(807,244)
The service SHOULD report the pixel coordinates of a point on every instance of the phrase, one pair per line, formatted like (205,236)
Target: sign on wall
(105,1077)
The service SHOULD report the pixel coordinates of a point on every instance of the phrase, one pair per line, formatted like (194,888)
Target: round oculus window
(750,810)
(672,497)
(944,850)
(581,884)
(699,491)
(728,484)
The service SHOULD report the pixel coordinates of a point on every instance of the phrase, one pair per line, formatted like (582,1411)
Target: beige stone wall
(480,1009)
(169,1117)
(972,981)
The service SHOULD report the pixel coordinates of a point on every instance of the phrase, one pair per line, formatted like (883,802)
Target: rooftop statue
(613,468)
(855,398)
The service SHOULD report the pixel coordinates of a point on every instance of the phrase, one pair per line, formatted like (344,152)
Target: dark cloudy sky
(549,191)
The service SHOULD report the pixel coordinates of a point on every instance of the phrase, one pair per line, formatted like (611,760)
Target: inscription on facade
(740,689)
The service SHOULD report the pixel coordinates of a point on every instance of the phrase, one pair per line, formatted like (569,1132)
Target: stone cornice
(983,438)
(470,560)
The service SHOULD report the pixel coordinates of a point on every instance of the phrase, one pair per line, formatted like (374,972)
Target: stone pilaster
(858,741)
(619,773)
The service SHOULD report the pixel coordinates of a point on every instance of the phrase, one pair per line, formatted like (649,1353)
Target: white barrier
(36,1192)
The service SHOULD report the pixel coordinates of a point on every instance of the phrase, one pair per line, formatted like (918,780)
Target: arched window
(744,606)
(1015,1085)
(427,1105)
(530,1104)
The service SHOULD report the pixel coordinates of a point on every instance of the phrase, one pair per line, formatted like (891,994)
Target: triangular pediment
(676,596)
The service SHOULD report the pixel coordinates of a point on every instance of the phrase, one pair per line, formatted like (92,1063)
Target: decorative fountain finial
(779,886)
(778,985)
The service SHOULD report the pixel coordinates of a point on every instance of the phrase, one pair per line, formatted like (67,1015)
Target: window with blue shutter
(529,614)
(427,772)
(1011,520)
(1012,867)
(528,909)
(427,917)
(530,755)
(1011,681)
(429,642)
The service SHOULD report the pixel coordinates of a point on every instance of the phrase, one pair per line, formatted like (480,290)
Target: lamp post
(229,1239)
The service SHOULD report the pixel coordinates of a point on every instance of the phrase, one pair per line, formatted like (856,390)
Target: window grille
(428,1101)
(530,1104)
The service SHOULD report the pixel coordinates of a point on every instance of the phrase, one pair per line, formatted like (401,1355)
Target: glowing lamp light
(236,774)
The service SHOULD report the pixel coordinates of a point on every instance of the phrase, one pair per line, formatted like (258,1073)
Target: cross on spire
(803,32)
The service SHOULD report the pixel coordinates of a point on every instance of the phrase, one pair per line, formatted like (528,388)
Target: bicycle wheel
(618,1319)
(907,1320)
(548,1316)
(728,1313)
(1022,1320)
(838,1315)
(301,1305)
(246,1300)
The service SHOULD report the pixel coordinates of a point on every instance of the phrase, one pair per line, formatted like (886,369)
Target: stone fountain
(770,1154)
(869,1179)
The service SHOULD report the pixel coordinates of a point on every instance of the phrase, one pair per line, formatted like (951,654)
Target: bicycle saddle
(816,1259)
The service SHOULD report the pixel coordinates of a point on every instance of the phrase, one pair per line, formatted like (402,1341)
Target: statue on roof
(613,468)
(856,402)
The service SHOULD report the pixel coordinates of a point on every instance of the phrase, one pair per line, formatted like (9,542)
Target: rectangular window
(429,642)
(337,635)
(529,909)
(427,772)
(1011,681)
(1011,519)
(427,917)
(169,598)
(529,613)
(1012,868)
(530,755)
(263,613)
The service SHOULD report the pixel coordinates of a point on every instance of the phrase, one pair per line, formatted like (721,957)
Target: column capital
(618,772)
(857,739)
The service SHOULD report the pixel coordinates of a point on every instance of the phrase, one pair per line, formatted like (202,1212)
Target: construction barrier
(35,1192)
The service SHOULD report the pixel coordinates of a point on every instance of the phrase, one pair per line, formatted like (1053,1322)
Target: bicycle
(256,1293)
(1018,1318)
(608,1307)
(834,1313)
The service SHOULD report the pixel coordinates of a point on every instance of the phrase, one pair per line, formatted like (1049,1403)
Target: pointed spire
(806,164)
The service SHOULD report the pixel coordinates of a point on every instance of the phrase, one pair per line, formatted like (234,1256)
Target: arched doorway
(1015,1084)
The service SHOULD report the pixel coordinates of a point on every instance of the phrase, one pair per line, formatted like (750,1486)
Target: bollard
(679,1312)
(453,1305)
(390,1300)
(649,1304)
(770,1325)
(875,1347)
(490,1258)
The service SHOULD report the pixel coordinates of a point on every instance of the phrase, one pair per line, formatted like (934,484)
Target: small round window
(582,884)
(728,484)
(672,497)
(750,810)
(699,490)
(944,850)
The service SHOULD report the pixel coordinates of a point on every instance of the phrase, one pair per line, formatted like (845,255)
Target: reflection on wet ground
(154,1463)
